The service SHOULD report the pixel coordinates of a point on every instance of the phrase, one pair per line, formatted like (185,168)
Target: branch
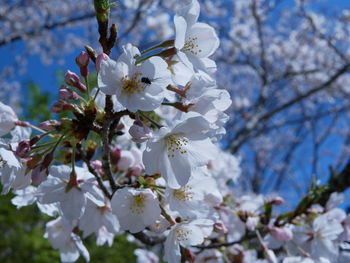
(46,27)
(149,240)
(105,142)
(245,133)
(93,171)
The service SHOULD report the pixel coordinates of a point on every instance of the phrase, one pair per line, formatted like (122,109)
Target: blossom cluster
(139,155)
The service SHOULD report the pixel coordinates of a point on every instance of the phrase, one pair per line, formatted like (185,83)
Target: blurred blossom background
(285,63)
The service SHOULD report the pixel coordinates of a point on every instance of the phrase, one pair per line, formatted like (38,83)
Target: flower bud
(72,79)
(277,200)
(220,228)
(99,59)
(49,125)
(67,94)
(281,233)
(115,155)
(83,59)
(61,106)
(126,160)
(22,149)
(140,132)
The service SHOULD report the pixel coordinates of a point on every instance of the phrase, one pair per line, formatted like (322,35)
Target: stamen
(181,234)
(176,143)
(183,194)
(133,84)
(137,204)
(191,46)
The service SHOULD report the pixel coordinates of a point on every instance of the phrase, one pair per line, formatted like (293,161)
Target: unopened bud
(67,94)
(115,154)
(220,228)
(61,106)
(126,160)
(99,59)
(23,148)
(49,125)
(276,201)
(72,79)
(83,59)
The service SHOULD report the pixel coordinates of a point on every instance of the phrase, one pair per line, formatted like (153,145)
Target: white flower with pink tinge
(8,119)
(176,151)
(186,234)
(195,42)
(137,87)
(60,234)
(135,208)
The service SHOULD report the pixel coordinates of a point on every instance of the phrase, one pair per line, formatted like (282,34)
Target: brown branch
(149,240)
(245,133)
(105,142)
(46,27)
(93,171)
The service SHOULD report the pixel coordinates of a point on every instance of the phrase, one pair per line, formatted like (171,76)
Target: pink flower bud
(61,106)
(277,201)
(126,160)
(23,148)
(72,79)
(281,233)
(67,94)
(49,125)
(220,228)
(99,59)
(115,155)
(140,132)
(83,59)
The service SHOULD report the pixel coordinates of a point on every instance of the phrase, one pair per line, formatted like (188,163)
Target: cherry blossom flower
(135,208)
(137,87)
(60,235)
(70,192)
(8,119)
(176,151)
(186,234)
